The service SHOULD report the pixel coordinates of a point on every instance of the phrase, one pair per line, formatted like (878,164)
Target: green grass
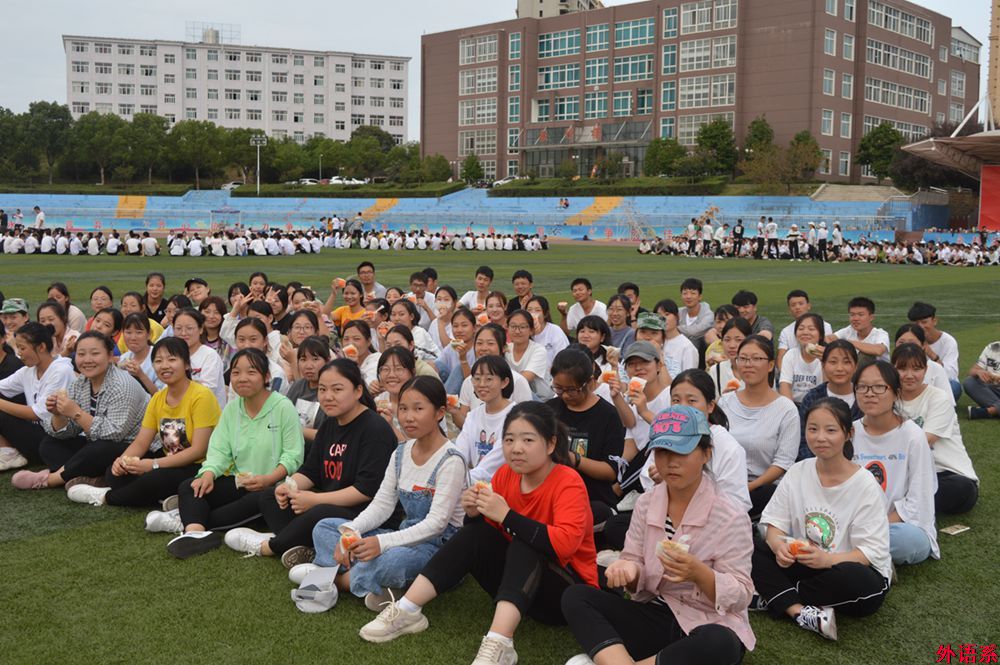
(379,190)
(88,585)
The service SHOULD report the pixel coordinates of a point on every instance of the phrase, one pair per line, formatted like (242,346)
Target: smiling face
(417,416)
(521,286)
(154,288)
(824,435)
(524,448)
(486,385)
(580,292)
(870,383)
(754,364)
(731,342)
(197,292)
(639,367)
(28,353)
(690,297)
(462,328)
(249,337)
(486,345)
(136,339)
(860,319)
(213,319)
(335,394)
(519,329)
(187,329)
(839,367)
(257,286)
(99,300)
(537,315)
(131,305)
(807,333)
(798,306)
(496,311)
(169,368)
(617,314)
(300,329)
(392,375)
(352,297)
(246,380)
(104,323)
(354,336)
(296,302)
(399,315)
(590,338)
(47,317)
(444,304)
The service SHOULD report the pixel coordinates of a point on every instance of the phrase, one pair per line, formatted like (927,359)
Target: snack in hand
(482,319)
(452,401)
(242,478)
(814,349)
(341,282)
(129,460)
(348,538)
(636,384)
(562,305)
(455,343)
(351,352)
(384,328)
(293,487)
(796,546)
(680,545)
(62,393)
(732,384)
(607,375)
(412,298)
(483,484)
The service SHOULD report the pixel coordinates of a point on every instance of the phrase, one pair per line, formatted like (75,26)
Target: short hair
(419,276)
(628,286)
(262,308)
(365,264)
(692,284)
(430,272)
(743,298)
(497,366)
(862,301)
(522,274)
(796,293)
(486,271)
(921,310)
(913,329)
(668,306)
(584,281)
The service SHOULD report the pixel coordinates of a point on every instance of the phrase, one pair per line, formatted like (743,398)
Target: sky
(32,62)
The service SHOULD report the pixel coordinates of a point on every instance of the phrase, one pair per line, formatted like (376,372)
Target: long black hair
(703,383)
(841,413)
(352,372)
(541,416)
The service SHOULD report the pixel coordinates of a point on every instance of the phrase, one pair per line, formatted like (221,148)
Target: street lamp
(320,166)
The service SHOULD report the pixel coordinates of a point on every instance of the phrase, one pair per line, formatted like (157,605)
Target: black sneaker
(757,604)
(195,542)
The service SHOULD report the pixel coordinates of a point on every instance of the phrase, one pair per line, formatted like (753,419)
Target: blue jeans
(956,389)
(908,543)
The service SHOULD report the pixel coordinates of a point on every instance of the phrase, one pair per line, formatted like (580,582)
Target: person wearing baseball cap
(197,289)
(14,314)
(691,610)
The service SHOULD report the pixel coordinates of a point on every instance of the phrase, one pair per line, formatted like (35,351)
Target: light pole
(320,166)
(257,141)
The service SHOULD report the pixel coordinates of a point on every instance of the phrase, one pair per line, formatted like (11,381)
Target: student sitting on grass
(840,361)
(339,477)
(172,442)
(686,564)
(256,444)
(206,366)
(92,422)
(42,375)
(482,431)
(801,367)
(528,537)
(895,451)
(827,543)
(982,385)
(426,475)
(311,356)
(138,359)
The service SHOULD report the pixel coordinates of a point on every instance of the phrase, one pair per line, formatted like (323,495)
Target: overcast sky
(32,63)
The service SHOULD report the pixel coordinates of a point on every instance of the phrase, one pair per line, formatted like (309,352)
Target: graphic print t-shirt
(596,434)
(175,425)
(353,454)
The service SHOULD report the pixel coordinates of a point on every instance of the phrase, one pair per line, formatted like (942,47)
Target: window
(957,84)
(831,7)
(477,142)
(943,53)
(724,90)
(829,80)
(126,69)
(126,49)
(102,88)
(825,161)
(849,9)
(634,33)
(476,81)
(395,66)
(595,105)
(899,59)
(168,78)
(279,116)
(597,37)
(942,87)
(847,86)
(169,59)
(725,14)
(192,114)
(81,107)
(848,47)
(279,77)
(102,108)
(695,92)
(541,110)
(80,47)
(512,166)
(319,80)
(147,108)
(357,100)
(298,98)
(956,112)
(213,74)
(940,118)
(126,89)
(102,47)
(298,79)
(298,60)
(81,87)
(395,102)
(696,54)
(477,49)
(298,117)
(910,132)
(670,17)
(830,42)
(514,46)
(357,81)
(126,110)
(514,78)
(377,101)
(213,54)
(554,44)
(669,59)
(339,106)
(233,75)
(190,54)
(395,121)
(668,96)
(667,128)
(846,120)
(643,102)
(82,68)
(169,99)
(634,68)
(724,52)
(696,17)
(358,64)
(845,163)
(897,95)
(567,108)
(489,169)
(339,125)
(232,56)
(340,68)
(279,96)
(477,111)
(513,109)
(319,61)
(339,87)
(900,22)
(596,71)
(397,84)
(826,127)
(559,76)
(232,114)
(279,59)
(254,76)
(622,103)
(376,83)
(689,125)
(147,90)
(213,93)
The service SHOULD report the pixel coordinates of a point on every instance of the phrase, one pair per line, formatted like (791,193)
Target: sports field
(88,585)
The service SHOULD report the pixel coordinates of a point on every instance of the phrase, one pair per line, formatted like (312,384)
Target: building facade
(527,94)
(284,92)
(546,8)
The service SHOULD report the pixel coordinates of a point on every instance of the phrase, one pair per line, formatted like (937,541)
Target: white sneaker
(87,494)
(376,601)
(494,652)
(246,540)
(580,659)
(11,459)
(164,521)
(819,620)
(299,572)
(391,623)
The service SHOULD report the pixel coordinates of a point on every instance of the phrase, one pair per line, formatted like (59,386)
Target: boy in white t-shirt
(679,353)
(798,304)
(940,347)
(585,305)
(861,332)
(983,383)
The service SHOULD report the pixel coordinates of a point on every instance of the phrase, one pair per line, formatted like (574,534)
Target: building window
(513,140)
(695,92)
(81,87)
(643,102)
(597,37)
(567,108)
(81,107)
(126,70)
(279,77)
(254,76)
(957,84)
(689,125)
(340,68)
(847,86)
(696,54)
(634,68)
(540,110)
(101,47)
(725,14)
(81,47)
(559,76)
(846,120)
(667,128)
(357,81)
(357,119)
(99,67)
(213,74)
(899,21)
(849,9)
(845,163)
(395,66)
(696,17)
(668,96)
(358,64)
(168,78)
(477,142)
(102,88)
(848,47)
(376,83)
(298,98)
(147,90)
(513,109)
(339,87)
(127,89)
(724,90)
(125,49)
(169,59)
(279,59)
(514,46)
(279,97)
(826,126)
(896,95)
(477,49)
(724,52)
(378,102)
(126,110)
(298,117)
(213,93)
(477,81)
(622,103)
(829,80)
(192,114)
(513,78)
(233,75)
(669,59)
(596,71)
(190,54)
(670,22)
(147,50)
(339,125)
(319,61)
(339,106)
(595,105)
(232,114)
(634,33)
(512,167)
(956,112)
(825,162)
(397,84)
(169,99)
(378,65)
(942,87)
(899,59)
(943,53)
(555,44)
(357,100)
(253,95)
(298,79)
(831,7)
(395,102)
(82,68)
(830,42)
(478,111)
(279,116)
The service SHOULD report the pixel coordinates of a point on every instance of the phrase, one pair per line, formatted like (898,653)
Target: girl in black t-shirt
(338,478)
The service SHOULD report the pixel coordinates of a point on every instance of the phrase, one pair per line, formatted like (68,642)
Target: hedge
(626,187)
(109,190)
(386,191)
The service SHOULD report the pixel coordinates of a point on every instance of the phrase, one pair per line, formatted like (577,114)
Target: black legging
(78,457)
(146,489)
(759,498)
(600,619)
(24,435)
(225,507)
(511,571)
(851,588)
(292,530)
(956,494)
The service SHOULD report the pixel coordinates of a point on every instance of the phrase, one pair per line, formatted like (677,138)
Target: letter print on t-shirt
(173,435)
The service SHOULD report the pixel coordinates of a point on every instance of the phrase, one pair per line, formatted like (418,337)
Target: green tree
(402,164)
(146,139)
(384,138)
(661,156)
(472,170)
(289,159)
(610,167)
(759,135)
(568,169)
(17,158)
(198,145)
(365,156)
(804,157)
(878,148)
(695,165)
(48,130)
(101,139)
(716,138)
(435,168)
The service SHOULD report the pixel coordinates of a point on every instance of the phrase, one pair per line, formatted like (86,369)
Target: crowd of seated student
(391,445)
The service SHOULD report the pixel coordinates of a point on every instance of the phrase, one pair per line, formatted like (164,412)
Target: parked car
(308,181)
(506,181)
(230,186)
(337,180)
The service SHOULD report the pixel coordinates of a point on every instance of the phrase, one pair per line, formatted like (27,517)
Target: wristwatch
(156,465)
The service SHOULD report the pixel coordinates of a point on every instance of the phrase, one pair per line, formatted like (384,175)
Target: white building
(549,8)
(285,92)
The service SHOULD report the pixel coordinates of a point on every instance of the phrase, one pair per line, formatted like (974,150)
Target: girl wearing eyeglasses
(765,423)
(482,431)
(527,356)
(396,366)
(895,451)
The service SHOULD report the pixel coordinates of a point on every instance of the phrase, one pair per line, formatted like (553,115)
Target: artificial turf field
(88,585)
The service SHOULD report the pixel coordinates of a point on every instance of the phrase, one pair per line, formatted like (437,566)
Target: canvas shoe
(494,652)
(164,521)
(979,413)
(172,502)
(196,542)
(580,659)
(819,620)
(299,572)
(757,604)
(87,494)
(376,601)
(30,480)
(11,459)
(246,540)
(95,481)
(392,622)
(297,555)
